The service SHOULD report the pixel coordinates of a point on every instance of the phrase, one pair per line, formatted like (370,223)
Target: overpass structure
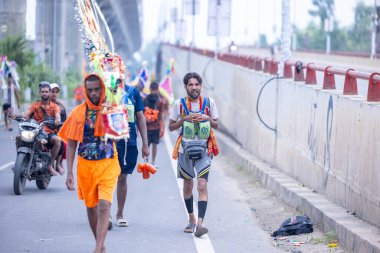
(123,18)
(58,40)
(315,130)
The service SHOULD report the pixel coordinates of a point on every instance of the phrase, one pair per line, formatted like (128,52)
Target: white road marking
(202,244)
(6,165)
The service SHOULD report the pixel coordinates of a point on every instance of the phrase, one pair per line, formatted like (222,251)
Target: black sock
(202,206)
(189,204)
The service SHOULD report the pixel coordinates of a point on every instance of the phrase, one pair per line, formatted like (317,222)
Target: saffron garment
(97,180)
(96,177)
(51,109)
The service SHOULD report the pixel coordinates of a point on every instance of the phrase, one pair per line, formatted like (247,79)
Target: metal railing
(297,69)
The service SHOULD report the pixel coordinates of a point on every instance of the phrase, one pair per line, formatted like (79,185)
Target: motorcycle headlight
(27,136)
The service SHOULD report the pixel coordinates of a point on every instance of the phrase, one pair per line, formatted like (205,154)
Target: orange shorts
(97,180)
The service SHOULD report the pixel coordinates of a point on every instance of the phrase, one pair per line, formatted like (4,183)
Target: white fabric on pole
(285,36)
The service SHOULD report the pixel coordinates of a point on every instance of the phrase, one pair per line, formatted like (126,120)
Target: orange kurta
(96,178)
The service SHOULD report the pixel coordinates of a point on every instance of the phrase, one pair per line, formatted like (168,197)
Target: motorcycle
(33,156)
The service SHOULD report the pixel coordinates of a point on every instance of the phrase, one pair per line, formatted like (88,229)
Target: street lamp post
(374,30)
(217,28)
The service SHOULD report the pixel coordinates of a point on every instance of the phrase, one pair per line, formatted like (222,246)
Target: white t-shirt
(175,113)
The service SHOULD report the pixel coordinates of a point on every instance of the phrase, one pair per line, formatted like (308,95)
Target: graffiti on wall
(327,150)
(313,138)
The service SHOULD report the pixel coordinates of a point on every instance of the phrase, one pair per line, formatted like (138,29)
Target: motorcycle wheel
(44,183)
(19,178)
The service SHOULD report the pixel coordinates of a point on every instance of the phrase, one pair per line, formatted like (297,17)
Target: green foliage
(323,11)
(360,32)
(355,38)
(311,37)
(16,48)
(72,79)
(33,74)
(329,237)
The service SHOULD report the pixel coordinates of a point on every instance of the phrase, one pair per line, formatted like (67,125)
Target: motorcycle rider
(43,110)
(55,89)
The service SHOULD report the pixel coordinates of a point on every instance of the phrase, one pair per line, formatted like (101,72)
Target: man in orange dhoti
(98,167)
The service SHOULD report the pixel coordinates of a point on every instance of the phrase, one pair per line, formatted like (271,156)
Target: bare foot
(52,170)
(103,250)
(60,169)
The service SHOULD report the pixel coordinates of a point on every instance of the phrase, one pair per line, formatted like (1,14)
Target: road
(54,220)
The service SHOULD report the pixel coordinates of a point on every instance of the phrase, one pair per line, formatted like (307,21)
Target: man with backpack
(194,116)
(153,116)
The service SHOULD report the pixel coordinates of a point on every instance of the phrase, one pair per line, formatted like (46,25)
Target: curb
(353,234)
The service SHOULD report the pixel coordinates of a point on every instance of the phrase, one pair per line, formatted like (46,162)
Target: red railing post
(274,67)
(350,85)
(267,65)
(251,62)
(298,76)
(259,64)
(311,77)
(288,70)
(373,94)
(328,79)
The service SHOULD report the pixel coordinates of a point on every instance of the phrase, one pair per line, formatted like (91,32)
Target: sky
(248,19)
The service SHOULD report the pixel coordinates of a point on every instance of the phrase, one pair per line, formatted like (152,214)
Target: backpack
(294,226)
(151,111)
(194,149)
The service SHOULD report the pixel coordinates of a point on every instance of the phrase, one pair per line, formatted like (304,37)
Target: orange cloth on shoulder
(212,146)
(97,180)
(73,128)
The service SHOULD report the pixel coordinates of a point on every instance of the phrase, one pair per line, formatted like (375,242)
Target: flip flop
(190,228)
(122,222)
(200,231)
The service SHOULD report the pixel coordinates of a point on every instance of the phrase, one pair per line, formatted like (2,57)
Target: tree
(33,74)
(325,10)
(311,37)
(360,32)
(16,49)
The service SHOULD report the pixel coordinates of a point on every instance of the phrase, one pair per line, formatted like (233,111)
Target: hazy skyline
(254,17)
(249,18)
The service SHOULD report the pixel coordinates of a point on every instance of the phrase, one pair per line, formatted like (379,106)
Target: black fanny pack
(194,149)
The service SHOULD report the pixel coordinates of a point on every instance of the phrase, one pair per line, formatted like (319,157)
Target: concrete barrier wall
(326,141)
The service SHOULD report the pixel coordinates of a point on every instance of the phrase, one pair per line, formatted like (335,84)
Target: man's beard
(95,101)
(193,96)
(45,98)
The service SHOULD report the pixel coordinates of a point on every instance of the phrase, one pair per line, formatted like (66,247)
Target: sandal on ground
(121,222)
(190,228)
(200,231)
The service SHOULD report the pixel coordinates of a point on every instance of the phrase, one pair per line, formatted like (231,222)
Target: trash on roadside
(297,244)
(332,245)
(294,226)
